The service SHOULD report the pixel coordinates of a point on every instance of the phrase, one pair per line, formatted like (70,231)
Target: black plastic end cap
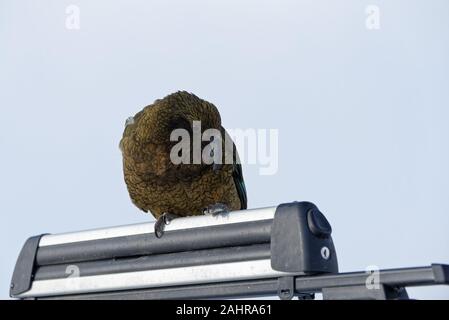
(441,273)
(301,240)
(23,272)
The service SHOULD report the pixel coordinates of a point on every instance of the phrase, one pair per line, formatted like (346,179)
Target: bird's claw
(161,222)
(218,209)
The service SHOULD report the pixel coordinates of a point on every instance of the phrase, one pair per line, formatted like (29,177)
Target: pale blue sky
(362,115)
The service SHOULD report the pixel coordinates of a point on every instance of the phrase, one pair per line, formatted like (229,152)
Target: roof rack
(285,250)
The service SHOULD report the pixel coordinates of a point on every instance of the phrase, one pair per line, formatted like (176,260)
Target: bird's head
(147,134)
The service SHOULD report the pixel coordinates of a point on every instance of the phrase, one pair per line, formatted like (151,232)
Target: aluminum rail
(153,262)
(214,236)
(222,272)
(332,286)
(148,228)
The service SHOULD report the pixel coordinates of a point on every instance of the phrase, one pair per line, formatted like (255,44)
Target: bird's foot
(218,209)
(161,222)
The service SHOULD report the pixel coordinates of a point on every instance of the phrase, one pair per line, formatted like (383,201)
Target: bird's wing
(237,174)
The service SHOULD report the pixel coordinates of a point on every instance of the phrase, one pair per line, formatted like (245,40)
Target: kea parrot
(166,189)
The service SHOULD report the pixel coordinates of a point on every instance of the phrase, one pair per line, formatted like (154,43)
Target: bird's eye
(129,121)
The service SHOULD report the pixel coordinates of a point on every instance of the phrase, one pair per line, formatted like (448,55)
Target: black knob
(318,224)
